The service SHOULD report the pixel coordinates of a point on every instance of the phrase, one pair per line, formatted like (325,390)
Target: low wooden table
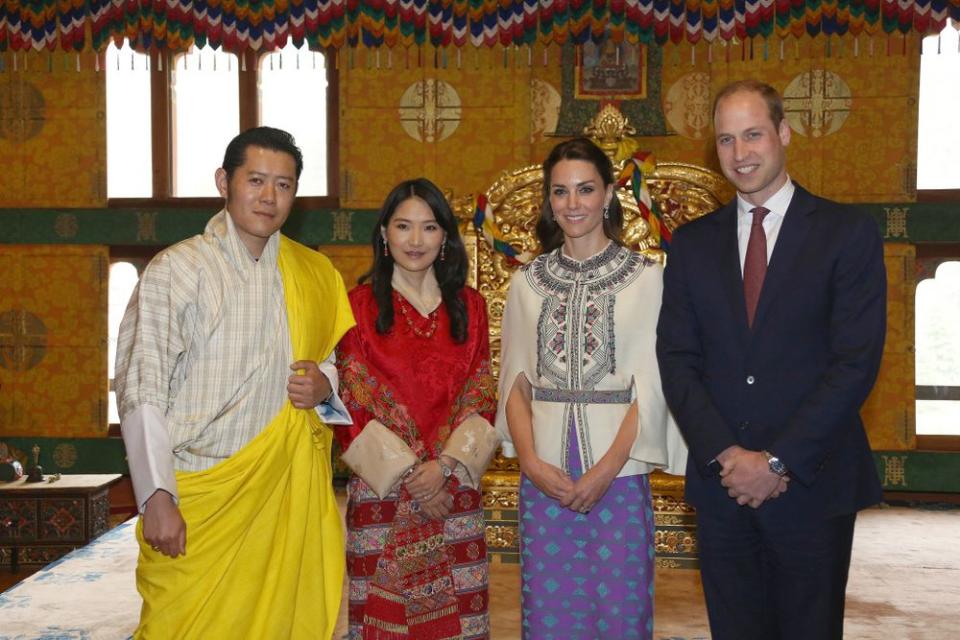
(45,520)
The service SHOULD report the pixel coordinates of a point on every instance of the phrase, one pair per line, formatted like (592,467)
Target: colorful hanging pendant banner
(484,223)
(265,25)
(635,172)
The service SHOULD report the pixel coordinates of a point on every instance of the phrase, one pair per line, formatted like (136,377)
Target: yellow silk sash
(265,552)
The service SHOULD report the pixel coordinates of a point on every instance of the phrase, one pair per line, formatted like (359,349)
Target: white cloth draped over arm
(473,444)
(148,348)
(332,410)
(380,457)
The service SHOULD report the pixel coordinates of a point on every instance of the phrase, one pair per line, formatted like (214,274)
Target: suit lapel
(728,256)
(793,232)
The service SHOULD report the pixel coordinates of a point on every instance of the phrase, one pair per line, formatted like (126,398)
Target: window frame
(936,250)
(162,142)
(938,195)
(139,256)
(931,195)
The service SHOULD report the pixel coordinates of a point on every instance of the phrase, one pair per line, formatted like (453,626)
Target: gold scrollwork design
(502,463)
(670,504)
(500,498)
(501,537)
(675,541)
(668,563)
(608,128)
(663,484)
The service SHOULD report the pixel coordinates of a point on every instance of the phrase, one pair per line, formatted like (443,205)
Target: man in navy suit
(769,340)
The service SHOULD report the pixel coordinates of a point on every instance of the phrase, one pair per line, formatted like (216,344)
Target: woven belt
(581,396)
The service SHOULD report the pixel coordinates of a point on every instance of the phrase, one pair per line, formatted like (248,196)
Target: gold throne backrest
(682,191)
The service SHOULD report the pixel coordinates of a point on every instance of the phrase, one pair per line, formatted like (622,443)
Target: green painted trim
(163,227)
(71,455)
(899,222)
(917,223)
(913,471)
(919,471)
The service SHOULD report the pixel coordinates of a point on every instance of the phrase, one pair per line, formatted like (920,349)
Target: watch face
(777,467)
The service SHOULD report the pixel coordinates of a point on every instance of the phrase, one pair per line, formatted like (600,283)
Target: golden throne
(683,192)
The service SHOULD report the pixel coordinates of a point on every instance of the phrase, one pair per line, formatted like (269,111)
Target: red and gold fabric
(410,576)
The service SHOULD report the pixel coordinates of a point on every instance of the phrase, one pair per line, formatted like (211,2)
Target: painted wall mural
(460,125)
(430,110)
(53,352)
(817,103)
(544,109)
(22,111)
(687,105)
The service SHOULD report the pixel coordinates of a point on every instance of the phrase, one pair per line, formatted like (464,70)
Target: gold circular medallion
(22,111)
(687,105)
(816,103)
(544,110)
(430,110)
(65,455)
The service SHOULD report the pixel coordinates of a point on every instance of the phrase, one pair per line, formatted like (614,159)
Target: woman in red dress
(415,376)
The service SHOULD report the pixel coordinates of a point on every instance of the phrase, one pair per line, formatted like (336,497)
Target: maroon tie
(755,264)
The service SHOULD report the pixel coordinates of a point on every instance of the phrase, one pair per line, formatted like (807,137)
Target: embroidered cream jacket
(584,335)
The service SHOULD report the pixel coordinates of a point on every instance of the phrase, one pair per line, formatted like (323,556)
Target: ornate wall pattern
(507,105)
(816,103)
(53,351)
(854,116)
(506,113)
(889,413)
(52,132)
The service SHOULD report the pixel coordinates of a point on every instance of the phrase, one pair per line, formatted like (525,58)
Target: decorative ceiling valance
(240,25)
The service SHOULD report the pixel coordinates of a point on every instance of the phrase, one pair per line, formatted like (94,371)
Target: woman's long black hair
(548,231)
(451,272)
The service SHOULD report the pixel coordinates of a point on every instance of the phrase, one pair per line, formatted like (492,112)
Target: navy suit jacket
(793,384)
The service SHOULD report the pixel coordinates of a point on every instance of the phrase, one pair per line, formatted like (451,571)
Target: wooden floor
(904,584)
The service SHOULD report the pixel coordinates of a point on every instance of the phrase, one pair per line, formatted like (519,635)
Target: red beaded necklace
(405,312)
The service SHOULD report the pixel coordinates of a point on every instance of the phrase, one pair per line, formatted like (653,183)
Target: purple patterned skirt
(587,576)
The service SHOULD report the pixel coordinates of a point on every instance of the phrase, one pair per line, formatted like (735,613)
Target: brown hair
(548,231)
(764,90)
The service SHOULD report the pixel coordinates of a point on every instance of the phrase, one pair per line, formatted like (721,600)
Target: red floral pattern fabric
(412,577)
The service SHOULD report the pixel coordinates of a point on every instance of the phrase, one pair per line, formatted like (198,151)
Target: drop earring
(443,251)
(606,212)
(386,252)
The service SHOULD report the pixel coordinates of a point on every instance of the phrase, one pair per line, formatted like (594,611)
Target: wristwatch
(447,471)
(775,464)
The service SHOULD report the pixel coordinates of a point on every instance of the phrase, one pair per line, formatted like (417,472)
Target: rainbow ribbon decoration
(641,165)
(484,223)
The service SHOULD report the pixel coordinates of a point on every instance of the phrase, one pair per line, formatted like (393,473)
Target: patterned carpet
(904,584)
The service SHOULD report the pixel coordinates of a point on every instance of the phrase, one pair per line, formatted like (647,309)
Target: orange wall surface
(461,126)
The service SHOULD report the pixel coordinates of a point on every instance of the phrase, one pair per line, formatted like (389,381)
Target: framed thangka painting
(624,74)
(610,71)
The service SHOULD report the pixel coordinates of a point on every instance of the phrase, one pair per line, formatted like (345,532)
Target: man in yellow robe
(224,383)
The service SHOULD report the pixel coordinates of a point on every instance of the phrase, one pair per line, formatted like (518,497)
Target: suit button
(744,425)
(751,380)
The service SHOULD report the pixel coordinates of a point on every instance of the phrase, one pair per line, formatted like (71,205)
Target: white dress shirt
(777,204)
